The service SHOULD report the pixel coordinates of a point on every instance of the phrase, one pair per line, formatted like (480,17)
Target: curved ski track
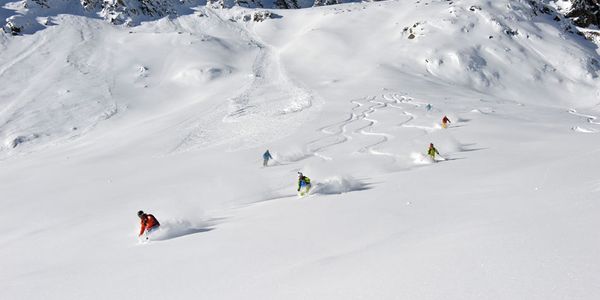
(366,110)
(589,118)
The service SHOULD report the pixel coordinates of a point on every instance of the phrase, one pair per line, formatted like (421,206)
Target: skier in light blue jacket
(266,157)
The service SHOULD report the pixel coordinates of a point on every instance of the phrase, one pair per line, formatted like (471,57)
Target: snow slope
(172,117)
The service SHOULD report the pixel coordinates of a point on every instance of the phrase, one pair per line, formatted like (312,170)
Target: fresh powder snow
(107,112)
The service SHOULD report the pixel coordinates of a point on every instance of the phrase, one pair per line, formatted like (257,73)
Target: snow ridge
(128,12)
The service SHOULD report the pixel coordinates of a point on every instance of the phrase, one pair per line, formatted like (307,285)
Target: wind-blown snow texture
(171,116)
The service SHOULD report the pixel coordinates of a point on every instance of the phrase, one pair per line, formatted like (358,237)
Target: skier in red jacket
(445,122)
(148,222)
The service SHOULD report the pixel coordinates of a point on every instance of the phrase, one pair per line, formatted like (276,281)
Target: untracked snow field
(172,117)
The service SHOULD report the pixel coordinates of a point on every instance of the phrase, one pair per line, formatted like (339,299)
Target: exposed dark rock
(585,12)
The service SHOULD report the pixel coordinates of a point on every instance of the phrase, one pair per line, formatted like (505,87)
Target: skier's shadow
(449,159)
(469,147)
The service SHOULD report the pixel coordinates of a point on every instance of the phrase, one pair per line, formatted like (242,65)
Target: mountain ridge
(584,13)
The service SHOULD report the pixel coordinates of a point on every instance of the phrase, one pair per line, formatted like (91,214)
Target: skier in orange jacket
(445,122)
(148,222)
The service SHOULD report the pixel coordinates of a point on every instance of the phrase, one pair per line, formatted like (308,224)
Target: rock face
(585,12)
(123,11)
(326,2)
(118,11)
(132,12)
(286,4)
(128,12)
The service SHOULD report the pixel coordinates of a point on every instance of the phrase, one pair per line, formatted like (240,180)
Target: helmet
(430,144)
(140,213)
(300,174)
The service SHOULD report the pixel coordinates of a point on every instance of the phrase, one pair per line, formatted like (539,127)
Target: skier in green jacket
(303,184)
(432,151)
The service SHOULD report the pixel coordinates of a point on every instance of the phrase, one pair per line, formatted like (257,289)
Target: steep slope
(171,116)
(503,48)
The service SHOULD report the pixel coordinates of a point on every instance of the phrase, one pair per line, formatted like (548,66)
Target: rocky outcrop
(585,12)
(132,12)
(128,12)
(326,2)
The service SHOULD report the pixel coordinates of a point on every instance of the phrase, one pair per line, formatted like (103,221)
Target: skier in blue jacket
(266,157)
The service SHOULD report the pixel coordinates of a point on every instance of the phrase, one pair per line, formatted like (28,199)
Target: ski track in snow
(270,106)
(30,51)
(339,135)
(366,110)
(372,122)
(589,118)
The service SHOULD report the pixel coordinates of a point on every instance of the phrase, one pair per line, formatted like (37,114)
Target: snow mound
(197,75)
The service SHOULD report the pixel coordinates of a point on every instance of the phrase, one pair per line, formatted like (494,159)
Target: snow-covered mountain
(172,115)
(585,13)
(130,12)
(518,51)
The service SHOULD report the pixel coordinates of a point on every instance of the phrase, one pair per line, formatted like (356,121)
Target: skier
(303,182)
(428,107)
(445,122)
(266,157)
(148,222)
(432,152)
